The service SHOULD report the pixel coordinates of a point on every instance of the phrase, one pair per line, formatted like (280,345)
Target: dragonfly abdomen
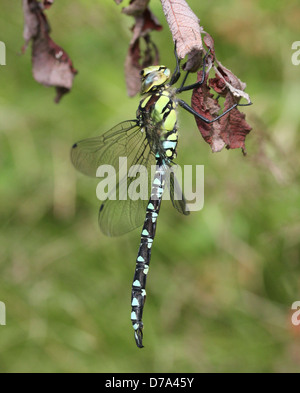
(138,296)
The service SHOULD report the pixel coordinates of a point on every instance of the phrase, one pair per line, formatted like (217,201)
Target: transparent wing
(123,140)
(117,217)
(177,196)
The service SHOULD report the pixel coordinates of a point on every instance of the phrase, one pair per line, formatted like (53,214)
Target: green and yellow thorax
(158,109)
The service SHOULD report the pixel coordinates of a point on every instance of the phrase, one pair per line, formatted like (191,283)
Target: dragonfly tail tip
(138,335)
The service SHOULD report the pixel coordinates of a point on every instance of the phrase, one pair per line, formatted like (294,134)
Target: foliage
(236,263)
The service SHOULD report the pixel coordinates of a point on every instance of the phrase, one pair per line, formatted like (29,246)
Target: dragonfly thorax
(157,115)
(154,77)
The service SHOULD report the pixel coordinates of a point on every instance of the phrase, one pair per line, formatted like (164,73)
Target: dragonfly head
(154,77)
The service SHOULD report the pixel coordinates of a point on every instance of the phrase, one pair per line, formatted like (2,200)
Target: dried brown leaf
(209,42)
(186,31)
(144,24)
(136,7)
(136,58)
(136,61)
(233,83)
(51,64)
(31,23)
(48,3)
(225,79)
(206,105)
(132,69)
(232,129)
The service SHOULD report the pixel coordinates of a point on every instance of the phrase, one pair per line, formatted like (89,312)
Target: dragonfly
(150,139)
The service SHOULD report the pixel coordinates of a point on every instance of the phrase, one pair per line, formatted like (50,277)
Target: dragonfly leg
(195,85)
(176,74)
(189,109)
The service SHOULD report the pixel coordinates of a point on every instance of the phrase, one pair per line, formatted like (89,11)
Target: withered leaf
(225,79)
(136,58)
(32,13)
(48,3)
(51,64)
(209,42)
(232,129)
(186,32)
(205,104)
(136,7)
(233,83)
(133,69)
(218,85)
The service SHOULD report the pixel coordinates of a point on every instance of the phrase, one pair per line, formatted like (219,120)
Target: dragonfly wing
(117,217)
(177,195)
(127,140)
(121,141)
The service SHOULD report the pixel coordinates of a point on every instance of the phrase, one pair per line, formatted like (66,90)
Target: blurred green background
(223,280)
